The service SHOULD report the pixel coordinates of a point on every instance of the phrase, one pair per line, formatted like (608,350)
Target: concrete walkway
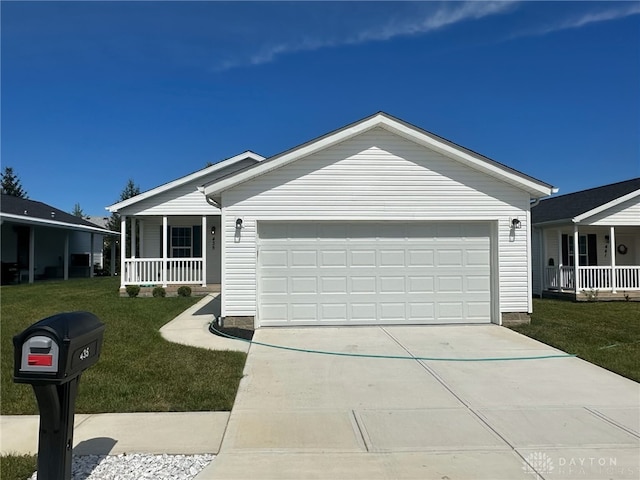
(115,433)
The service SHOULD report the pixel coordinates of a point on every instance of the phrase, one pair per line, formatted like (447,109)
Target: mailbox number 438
(84,354)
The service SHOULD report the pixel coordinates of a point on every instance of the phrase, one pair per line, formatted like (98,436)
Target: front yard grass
(138,370)
(604,333)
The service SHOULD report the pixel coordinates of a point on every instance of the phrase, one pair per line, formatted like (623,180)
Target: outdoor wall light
(213,230)
(515,223)
(239,223)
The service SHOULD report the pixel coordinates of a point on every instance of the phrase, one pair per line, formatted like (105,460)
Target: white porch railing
(593,278)
(140,271)
(559,278)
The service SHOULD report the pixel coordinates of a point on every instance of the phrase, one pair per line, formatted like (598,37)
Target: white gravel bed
(136,466)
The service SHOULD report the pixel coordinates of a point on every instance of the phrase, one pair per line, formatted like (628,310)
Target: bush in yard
(133,290)
(159,292)
(184,291)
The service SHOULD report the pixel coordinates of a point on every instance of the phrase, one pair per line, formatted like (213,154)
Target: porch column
(560,278)
(165,249)
(141,233)
(204,251)
(32,254)
(114,244)
(65,258)
(576,258)
(123,248)
(612,251)
(133,237)
(91,256)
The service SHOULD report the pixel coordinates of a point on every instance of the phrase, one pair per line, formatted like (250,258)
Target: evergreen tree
(77,211)
(130,190)
(11,184)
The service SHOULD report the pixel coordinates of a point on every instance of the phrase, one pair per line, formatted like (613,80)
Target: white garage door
(373,273)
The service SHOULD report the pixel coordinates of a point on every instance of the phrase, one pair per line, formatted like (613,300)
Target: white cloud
(446,15)
(437,17)
(632,8)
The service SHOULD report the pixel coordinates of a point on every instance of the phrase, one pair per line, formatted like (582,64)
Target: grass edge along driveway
(604,333)
(138,370)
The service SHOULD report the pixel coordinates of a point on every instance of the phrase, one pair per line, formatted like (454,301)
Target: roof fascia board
(606,206)
(536,189)
(54,223)
(551,223)
(182,180)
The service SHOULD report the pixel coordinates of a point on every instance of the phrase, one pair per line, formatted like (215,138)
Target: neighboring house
(379,222)
(42,242)
(603,225)
(177,230)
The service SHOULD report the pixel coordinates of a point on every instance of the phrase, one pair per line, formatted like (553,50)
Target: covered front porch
(170,250)
(607,267)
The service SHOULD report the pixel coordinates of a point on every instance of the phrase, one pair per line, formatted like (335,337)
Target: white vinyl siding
(184,199)
(375,176)
(627,213)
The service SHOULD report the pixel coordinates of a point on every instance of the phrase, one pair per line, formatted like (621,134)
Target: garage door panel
(363,258)
(333,258)
(392,284)
(420,284)
(364,311)
(450,284)
(303,258)
(304,311)
(363,284)
(420,258)
(421,311)
(371,273)
(334,311)
(392,258)
(332,285)
(303,285)
(390,310)
(452,258)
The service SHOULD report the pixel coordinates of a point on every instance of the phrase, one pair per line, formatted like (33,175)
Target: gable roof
(22,210)
(535,187)
(579,205)
(247,155)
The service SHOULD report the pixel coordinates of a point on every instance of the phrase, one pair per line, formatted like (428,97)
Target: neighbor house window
(587,252)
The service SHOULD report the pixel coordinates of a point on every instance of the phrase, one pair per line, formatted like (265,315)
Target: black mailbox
(51,355)
(58,348)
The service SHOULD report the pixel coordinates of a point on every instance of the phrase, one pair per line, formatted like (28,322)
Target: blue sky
(95,93)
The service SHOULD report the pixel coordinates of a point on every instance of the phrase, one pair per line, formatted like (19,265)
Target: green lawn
(604,333)
(17,467)
(138,371)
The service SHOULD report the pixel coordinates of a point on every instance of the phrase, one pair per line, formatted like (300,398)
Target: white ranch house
(379,222)
(603,226)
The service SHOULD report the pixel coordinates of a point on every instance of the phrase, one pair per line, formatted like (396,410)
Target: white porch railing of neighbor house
(140,271)
(593,278)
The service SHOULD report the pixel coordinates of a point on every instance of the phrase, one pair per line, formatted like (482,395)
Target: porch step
(172,290)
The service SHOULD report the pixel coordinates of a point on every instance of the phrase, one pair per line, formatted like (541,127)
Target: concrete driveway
(303,415)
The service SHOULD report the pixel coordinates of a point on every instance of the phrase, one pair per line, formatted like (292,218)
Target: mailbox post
(51,355)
